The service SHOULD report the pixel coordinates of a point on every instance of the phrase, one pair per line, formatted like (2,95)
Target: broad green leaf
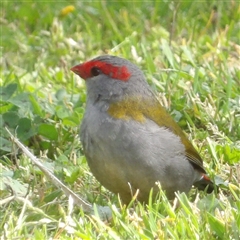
(48,131)
(60,94)
(25,129)
(19,188)
(5,145)
(21,100)
(62,112)
(10,119)
(7,92)
(231,154)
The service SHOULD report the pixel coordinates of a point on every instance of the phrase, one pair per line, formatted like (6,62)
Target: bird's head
(111,78)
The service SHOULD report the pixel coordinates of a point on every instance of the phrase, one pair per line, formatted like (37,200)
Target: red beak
(75,69)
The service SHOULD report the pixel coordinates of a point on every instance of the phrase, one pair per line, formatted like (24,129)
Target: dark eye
(95,71)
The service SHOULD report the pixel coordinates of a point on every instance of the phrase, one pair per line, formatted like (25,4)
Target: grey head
(110,78)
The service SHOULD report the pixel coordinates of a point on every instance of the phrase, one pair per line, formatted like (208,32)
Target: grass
(189,53)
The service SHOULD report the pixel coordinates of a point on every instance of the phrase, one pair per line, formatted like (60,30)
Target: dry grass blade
(87,207)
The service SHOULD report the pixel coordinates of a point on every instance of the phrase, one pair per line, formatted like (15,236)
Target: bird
(130,141)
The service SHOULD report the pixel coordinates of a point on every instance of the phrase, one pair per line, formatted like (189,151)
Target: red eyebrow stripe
(120,73)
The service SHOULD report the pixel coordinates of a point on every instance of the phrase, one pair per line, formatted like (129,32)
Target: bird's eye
(95,71)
